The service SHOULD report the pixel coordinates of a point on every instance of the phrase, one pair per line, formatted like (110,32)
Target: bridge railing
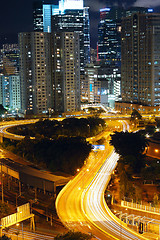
(140,206)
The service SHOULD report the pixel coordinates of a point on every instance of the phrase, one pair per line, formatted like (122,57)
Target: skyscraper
(140,59)
(109,53)
(35,72)
(109,36)
(66,71)
(69,15)
(76,20)
(109,48)
(38,16)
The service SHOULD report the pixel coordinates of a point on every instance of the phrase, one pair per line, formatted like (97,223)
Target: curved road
(81,205)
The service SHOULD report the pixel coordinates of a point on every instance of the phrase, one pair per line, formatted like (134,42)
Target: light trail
(84,209)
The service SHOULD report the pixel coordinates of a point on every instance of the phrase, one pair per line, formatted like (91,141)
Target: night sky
(16,16)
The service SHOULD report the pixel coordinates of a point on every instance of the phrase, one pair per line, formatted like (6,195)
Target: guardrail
(140,207)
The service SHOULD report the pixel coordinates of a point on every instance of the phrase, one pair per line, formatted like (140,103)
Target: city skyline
(18,17)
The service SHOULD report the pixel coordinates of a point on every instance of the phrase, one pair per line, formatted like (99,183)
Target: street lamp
(89,129)
(22,231)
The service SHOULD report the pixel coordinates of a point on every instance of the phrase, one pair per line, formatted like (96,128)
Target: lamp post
(89,129)
(18,231)
(17,196)
(22,232)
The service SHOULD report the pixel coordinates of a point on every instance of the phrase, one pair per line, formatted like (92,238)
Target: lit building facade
(109,50)
(15,93)
(35,72)
(10,96)
(10,59)
(76,20)
(5,91)
(140,59)
(109,54)
(92,86)
(66,71)
(38,16)
(109,35)
(1,90)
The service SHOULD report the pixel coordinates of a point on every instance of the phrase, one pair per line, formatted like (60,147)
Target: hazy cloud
(147,3)
(95,5)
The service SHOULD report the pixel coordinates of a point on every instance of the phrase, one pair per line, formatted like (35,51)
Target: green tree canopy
(2,110)
(150,129)
(4,237)
(135,114)
(73,236)
(126,143)
(130,146)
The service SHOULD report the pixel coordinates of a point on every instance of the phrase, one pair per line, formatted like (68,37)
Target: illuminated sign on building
(98,147)
(70,4)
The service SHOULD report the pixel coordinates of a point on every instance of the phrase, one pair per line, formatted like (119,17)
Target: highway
(5,125)
(81,205)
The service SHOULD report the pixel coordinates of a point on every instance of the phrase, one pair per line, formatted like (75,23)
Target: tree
(4,209)
(150,129)
(2,110)
(135,115)
(130,146)
(92,110)
(126,143)
(73,236)
(4,237)
(155,200)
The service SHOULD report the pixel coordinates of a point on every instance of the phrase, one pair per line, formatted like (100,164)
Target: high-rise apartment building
(76,20)
(141,59)
(50,72)
(35,72)
(68,16)
(66,71)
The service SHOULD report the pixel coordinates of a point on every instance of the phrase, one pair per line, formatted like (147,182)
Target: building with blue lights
(68,16)
(10,96)
(38,16)
(140,70)
(109,49)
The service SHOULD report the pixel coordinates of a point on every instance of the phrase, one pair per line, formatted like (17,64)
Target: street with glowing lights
(81,205)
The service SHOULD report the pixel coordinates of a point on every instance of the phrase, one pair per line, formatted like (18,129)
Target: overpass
(95,105)
(5,125)
(27,173)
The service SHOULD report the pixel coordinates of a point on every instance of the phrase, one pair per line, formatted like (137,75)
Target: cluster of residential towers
(54,69)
